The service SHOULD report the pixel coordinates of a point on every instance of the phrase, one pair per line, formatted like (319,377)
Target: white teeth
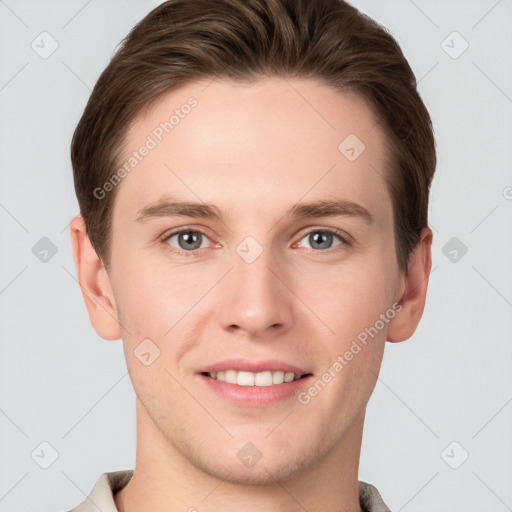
(277,377)
(245,378)
(288,376)
(231,376)
(265,378)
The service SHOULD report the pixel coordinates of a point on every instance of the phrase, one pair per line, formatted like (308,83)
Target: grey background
(452,382)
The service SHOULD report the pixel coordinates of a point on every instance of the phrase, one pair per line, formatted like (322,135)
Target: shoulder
(102,494)
(370,498)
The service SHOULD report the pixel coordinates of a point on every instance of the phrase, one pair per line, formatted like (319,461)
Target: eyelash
(332,231)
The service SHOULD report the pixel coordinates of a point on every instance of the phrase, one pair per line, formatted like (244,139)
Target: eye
(322,239)
(187,241)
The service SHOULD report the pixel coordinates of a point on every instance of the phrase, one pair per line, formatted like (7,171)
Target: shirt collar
(101,498)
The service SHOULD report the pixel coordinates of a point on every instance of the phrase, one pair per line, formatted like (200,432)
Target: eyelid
(184,229)
(343,235)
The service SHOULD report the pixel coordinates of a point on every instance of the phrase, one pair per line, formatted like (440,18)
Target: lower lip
(256,396)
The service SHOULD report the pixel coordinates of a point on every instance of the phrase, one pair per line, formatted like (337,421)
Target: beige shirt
(102,494)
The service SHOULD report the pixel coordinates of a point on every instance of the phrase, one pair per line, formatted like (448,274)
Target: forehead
(270,142)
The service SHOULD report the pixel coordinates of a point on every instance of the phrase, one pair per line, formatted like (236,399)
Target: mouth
(259,379)
(247,382)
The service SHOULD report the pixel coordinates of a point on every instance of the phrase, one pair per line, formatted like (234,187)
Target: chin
(261,474)
(270,464)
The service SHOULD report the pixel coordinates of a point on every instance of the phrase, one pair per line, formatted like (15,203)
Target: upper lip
(248,365)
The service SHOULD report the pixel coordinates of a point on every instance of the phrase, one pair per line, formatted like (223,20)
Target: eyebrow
(167,207)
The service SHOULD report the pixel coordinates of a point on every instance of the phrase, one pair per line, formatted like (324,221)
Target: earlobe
(412,302)
(94,283)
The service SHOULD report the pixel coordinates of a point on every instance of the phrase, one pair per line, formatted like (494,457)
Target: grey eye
(320,239)
(187,240)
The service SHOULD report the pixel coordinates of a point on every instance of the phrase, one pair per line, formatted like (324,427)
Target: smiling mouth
(265,378)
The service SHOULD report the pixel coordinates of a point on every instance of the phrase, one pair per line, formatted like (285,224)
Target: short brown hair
(182,41)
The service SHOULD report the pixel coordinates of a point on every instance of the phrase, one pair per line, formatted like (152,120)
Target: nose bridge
(254,298)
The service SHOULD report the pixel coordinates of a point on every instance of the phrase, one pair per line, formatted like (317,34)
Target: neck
(164,480)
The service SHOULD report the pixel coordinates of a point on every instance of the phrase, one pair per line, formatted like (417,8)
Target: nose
(255,297)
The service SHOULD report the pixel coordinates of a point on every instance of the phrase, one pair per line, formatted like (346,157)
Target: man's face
(262,290)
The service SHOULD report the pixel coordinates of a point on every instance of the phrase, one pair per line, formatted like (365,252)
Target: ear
(415,283)
(94,283)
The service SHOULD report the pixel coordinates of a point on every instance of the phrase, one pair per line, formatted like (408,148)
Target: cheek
(348,300)
(157,301)
(142,296)
(352,306)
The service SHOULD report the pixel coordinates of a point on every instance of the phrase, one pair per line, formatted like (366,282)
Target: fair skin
(253,151)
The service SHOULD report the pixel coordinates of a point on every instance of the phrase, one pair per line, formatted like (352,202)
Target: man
(253,179)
